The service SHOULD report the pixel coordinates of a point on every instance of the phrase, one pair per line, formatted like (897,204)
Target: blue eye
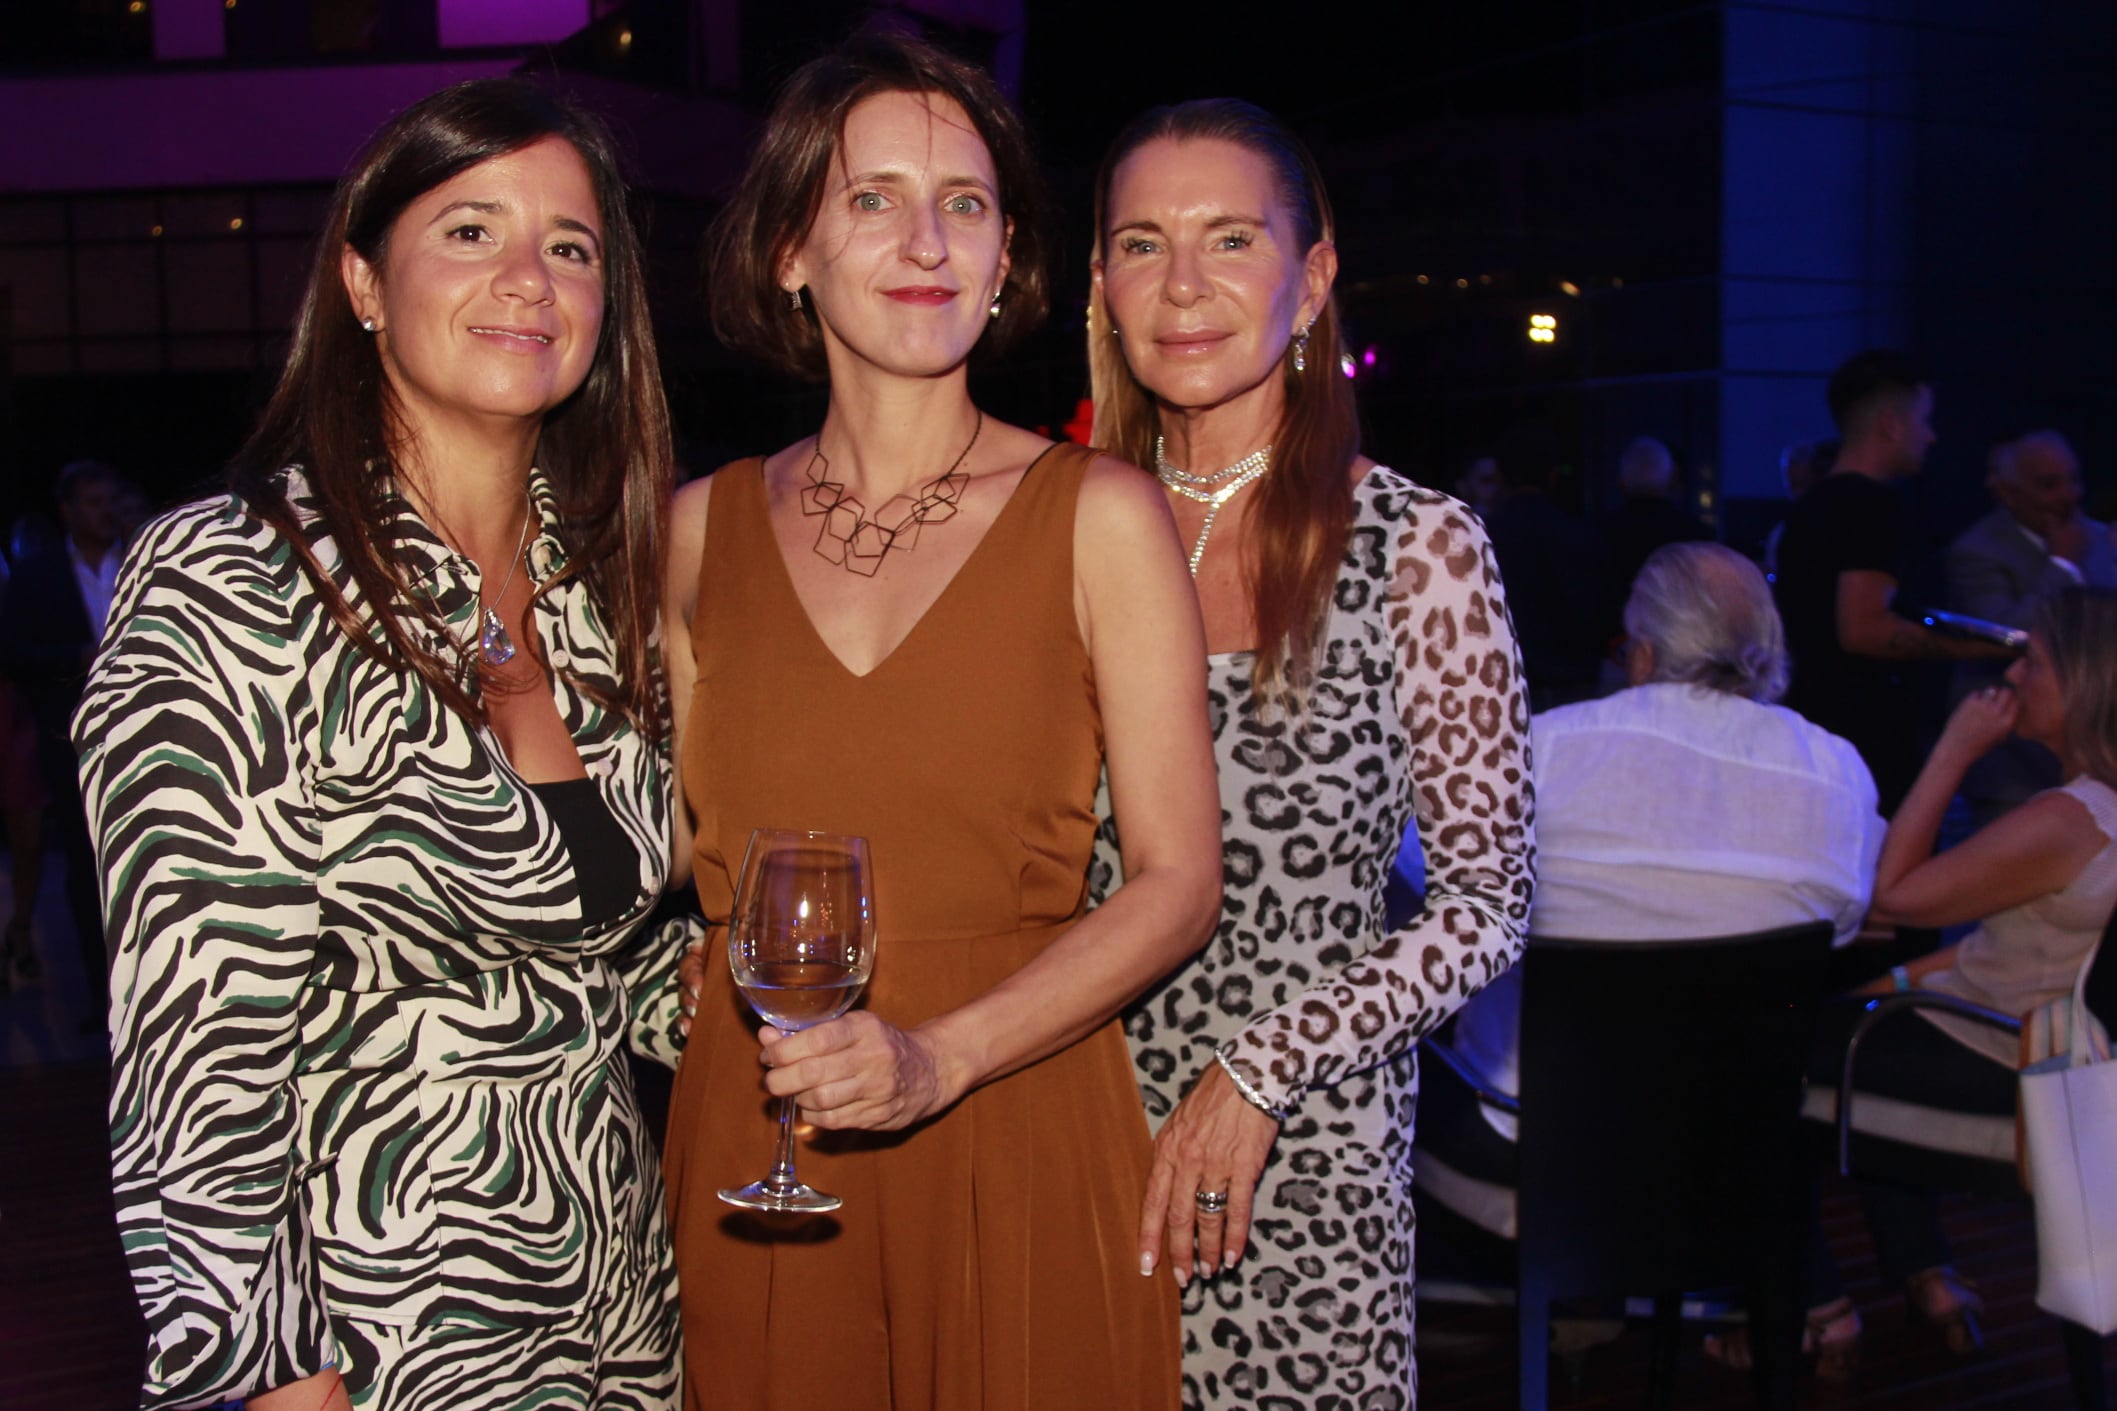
(965,205)
(1235,240)
(1137,245)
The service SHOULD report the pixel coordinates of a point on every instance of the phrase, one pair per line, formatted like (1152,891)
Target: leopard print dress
(1417,711)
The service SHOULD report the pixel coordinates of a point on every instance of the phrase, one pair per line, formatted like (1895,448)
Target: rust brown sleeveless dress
(986,1260)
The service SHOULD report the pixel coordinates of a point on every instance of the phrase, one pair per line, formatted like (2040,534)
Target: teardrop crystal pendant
(497,647)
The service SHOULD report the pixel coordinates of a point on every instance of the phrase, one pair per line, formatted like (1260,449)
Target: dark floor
(71,1338)
(1466,1353)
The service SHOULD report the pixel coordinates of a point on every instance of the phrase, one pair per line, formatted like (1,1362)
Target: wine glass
(801,943)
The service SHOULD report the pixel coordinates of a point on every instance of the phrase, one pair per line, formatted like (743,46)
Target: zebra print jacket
(366,1060)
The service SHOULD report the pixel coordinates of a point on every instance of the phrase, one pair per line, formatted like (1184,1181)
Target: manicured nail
(1146,1266)
(1206,1271)
(1183,1280)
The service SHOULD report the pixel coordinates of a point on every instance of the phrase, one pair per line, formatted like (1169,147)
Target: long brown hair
(1302,513)
(781,191)
(2078,626)
(606,450)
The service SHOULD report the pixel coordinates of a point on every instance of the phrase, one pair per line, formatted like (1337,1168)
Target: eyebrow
(1216,223)
(494,208)
(898,178)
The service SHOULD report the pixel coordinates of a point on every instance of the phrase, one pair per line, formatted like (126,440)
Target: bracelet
(1900,978)
(1249,1094)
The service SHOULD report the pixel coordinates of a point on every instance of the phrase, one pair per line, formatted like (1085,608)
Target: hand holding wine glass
(801,944)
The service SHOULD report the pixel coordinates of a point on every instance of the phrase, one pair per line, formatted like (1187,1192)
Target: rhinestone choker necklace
(1212,490)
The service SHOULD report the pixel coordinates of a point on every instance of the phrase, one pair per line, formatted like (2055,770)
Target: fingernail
(1146,1266)
(1183,1280)
(1206,1271)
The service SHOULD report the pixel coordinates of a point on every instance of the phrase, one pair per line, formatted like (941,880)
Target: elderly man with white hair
(2034,542)
(1685,806)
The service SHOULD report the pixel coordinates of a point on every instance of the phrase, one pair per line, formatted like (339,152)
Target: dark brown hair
(606,450)
(781,191)
(1302,515)
(2078,626)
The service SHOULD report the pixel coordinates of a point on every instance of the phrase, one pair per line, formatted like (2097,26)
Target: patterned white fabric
(2031,954)
(366,1058)
(1418,710)
(1666,812)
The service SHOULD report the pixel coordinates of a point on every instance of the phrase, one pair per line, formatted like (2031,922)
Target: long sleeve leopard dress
(1417,710)
(368,1102)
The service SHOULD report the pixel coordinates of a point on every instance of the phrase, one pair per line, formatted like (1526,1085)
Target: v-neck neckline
(801,608)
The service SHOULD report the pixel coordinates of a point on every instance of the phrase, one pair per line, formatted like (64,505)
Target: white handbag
(2069,1131)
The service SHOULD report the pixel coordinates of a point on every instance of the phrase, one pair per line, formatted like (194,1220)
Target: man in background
(1840,560)
(50,625)
(1555,568)
(1645,517)
(1685,806)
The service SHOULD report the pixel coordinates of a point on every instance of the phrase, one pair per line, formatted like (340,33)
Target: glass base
(792,1197)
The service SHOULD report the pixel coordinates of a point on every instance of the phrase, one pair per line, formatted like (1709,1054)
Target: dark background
(1736,195)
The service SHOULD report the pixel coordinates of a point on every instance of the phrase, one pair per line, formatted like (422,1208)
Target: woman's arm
(2036,849)
(1461,701)
(1140,620)
(195,736)
(687,548)
(651,967)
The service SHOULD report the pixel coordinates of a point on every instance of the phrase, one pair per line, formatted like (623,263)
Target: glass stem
(783,1169)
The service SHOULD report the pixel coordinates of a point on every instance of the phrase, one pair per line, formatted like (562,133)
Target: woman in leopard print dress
(1364,674)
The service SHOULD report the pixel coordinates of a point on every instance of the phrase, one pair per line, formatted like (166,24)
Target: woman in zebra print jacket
(378,772)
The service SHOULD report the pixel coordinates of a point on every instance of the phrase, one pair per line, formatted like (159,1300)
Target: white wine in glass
(801,944)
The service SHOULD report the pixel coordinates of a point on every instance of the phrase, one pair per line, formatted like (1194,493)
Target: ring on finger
(1211,1202)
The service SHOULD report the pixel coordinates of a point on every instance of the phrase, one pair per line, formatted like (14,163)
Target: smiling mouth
(520,335)
(1192,342)
(921,294)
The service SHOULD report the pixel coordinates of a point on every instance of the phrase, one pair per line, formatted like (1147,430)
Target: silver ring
(1211,1202)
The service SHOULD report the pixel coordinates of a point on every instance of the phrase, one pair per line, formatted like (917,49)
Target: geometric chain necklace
(848,538)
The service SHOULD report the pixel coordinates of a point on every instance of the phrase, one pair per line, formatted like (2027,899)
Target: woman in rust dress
(927,628)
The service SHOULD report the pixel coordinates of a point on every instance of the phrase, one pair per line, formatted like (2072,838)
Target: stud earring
(994,311)
(367,325)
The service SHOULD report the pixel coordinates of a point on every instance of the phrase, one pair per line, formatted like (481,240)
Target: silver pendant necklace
(494,643)
(1212,490)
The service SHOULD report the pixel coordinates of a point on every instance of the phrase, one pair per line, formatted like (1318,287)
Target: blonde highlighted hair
(2078,627)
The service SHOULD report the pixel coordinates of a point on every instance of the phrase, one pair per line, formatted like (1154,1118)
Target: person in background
(1645,517)
(1936,1094)
(22,800)
(1801,465)
(1685,806)
(1840,561)
(1479,484)
(929,629)
(1363,674)
(2035,541)
(377,764)
(50,623)
(1556,569)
